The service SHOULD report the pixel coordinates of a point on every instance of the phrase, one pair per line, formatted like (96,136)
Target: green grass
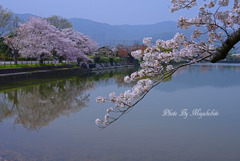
(7,66)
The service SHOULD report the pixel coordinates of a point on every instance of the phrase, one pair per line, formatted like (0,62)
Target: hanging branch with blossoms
(222,27)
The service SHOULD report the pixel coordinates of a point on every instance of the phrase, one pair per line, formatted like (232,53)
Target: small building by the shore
(106,51)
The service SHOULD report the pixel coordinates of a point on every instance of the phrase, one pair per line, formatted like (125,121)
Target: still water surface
(54,120)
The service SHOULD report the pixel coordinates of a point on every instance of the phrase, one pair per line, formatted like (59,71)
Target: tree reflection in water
(37,106)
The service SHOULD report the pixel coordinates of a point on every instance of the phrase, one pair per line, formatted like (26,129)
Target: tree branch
(164,76)
(222,52)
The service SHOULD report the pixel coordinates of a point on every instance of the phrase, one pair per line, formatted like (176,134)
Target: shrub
(111,60)
(104,60)
(2,56)
(96,59)
(117,59)
(26,59)
(91,57)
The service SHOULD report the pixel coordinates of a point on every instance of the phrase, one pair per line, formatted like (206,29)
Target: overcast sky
(115,12)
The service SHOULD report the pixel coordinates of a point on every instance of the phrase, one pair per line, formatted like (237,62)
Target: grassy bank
(8,66)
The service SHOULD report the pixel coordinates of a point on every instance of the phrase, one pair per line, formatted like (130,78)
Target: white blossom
(169,67)
(127,79)
(98,100)
(147,40)
(137,54)
(109,110)
(98,121)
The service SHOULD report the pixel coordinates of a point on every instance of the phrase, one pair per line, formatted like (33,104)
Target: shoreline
(21,74)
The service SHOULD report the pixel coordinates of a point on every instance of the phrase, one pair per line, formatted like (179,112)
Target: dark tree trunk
(15,56)
(41,61)
(60,59)
(227,45)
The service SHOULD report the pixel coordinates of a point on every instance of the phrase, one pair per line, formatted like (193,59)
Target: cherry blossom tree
(81,45)
(214,19)
(37,38)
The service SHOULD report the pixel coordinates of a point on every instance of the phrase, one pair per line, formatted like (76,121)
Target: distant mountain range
(110,35)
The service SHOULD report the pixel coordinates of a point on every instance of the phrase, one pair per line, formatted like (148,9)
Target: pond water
(54,119)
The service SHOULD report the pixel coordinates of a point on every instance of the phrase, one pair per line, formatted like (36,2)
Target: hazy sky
(107,11)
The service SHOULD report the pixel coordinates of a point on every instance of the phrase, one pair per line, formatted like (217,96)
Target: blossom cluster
(211,15)
(124,100)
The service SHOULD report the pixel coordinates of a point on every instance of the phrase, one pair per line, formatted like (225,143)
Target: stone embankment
(17,74)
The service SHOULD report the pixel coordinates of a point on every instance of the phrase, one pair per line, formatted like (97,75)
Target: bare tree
(59,22)
(5,20)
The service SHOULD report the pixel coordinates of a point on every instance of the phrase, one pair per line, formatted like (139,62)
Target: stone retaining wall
(11,77)
(30,69)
